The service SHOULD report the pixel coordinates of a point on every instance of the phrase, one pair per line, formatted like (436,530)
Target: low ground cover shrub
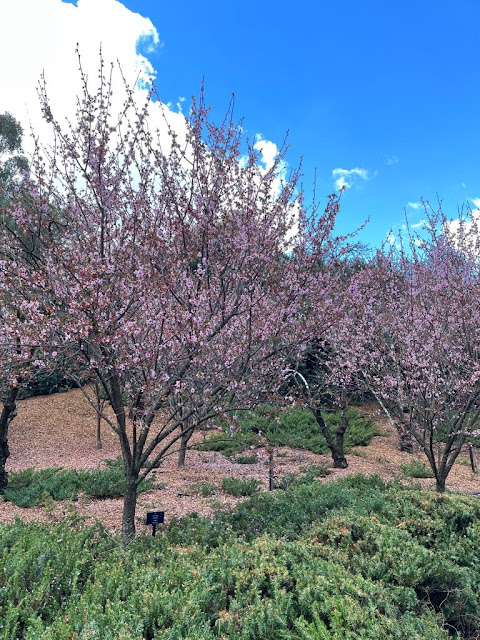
(367,560)
(417,469)
(295,427)
(204,489)
(31,487)
(240,486)
(247,459)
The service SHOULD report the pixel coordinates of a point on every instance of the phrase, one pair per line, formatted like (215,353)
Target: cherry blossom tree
(161,261)
(414,331)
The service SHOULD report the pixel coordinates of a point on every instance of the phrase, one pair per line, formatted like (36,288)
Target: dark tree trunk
(9,412)
(440,482)
(406,440)
(473,459)
(99,432)
(99,416)
(334,444)
(129,506)
(184,440)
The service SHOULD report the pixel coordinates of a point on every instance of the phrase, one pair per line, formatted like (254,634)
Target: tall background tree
(13,167)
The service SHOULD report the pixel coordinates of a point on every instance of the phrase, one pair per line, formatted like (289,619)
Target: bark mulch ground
(60,431)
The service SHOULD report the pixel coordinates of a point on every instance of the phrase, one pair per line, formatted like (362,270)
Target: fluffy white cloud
(268,151)
(415,205)
(475,202)
(41,36)
(345,178)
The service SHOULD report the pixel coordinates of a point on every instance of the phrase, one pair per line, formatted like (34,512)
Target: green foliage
(29,487)
(226,444)
(204,489)
(250,459)
(417,469)
(10,142)
(44,383)
(240,486)
(314,471)
(295,427)
(354,559)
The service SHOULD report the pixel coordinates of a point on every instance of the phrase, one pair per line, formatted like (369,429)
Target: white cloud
(419,225)
(392,160)
(415,205)
(475,202)
(345,178)
(268,151)
(42,36)
(39,36)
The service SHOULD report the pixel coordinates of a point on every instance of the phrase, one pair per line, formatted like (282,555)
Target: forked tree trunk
(440,482)
(334,444)
(404,433)
(9,412)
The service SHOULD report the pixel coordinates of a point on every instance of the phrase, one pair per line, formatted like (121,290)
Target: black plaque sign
(154,518)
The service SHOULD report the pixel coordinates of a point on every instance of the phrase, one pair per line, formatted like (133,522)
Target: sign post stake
(154,518)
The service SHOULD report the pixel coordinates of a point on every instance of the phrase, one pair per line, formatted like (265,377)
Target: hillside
(59,431)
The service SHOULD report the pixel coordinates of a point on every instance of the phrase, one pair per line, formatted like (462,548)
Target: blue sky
(388,87)
(384,93)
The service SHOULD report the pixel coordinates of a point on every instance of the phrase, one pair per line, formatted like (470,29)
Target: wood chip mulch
(60,431)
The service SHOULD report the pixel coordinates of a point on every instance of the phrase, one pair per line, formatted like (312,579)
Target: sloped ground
(60,431)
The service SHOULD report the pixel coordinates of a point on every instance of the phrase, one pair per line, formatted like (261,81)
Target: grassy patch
(294,427)
(240,486)
(204,489)
(250,459)
(417,469)
(30,487)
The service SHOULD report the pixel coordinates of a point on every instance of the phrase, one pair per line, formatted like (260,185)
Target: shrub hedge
(295,427)
(354,559)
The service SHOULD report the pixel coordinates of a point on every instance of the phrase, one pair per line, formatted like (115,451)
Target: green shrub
(204,489)
(315,471)
(227,444)
(417,469)
(295,427)
(30,487)
(352,559)
(240,486)
(285,481)
(250,459)
(307,475)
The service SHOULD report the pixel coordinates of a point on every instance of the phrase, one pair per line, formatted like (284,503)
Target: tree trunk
(8,414)
(406,439)
(99,432)
(334,444)
(440,481)
(473,459)
(129,506)
(186,435)
(271,470)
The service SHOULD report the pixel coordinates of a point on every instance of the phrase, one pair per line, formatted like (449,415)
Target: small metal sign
(154,518)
